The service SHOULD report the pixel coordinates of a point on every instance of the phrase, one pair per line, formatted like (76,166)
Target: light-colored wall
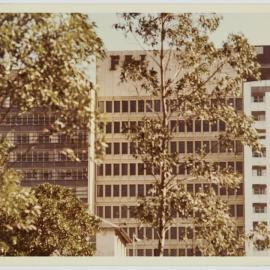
(249,161)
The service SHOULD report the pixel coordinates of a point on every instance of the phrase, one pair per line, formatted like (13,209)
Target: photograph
(134,134)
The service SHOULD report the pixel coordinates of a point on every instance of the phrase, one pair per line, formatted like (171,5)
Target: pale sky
(254,26)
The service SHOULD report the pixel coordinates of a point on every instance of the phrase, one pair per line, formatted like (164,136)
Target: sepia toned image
(134,134)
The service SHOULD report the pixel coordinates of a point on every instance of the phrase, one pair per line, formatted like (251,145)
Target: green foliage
(43,64)
(18,207)
(260,237)
(63,227)
(192,78)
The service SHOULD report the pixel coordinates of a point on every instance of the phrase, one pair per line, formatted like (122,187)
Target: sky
(254,26)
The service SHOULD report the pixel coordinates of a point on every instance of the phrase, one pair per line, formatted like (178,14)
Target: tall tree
(18,207)
(44,61)
(63,228)
(192,78)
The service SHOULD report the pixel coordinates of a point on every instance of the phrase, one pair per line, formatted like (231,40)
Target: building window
(124,191)
(108,127)
(101,106)
(173,125)
(232,210)
(259,189)
(108,106)
(100,170)
(115,190)
(140,105)
(181,147)
(181,124)
(239,166)
(239,190)
(222,125)
(173,147)
(132,211)
(124,211)
(148,252)
(198,146)
(205,126)
(214,126)
(116,106)
(116,148)
(148,233)
(116,212)
(140,252)
(99,190)
(262,153)
(132,190)
(108,169)
(108,191)
(181,168)
(157,105)
(141,190)
(140,169)
(258,98)
(258,115)
(259,170)
(259,207)
(240,210)
(124,106)
(108,212)
(132,105)
(109,149)
(173,233)
(149,106)
(124,169)
(116,169)
(198,127)
(132,168)
(189,125)
(116,127)
(100,211)
(124,148)
(189,147)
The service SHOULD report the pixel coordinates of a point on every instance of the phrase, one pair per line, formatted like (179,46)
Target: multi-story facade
(121,178)
(39,156)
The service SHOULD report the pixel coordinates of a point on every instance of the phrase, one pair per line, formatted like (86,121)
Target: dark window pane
(124,211)
(115,190)
(124,148)
(132,190)
(190,188)
(141,190)
(116,148)
(108,213)
(108,191)
(239,166)
(125,126)
(100,211)
(206,146)
(198,127)
(133,106)
(109,127)
(189,147)
(140,169)
(181,147)
(100,170)
(173,124)
(232,210)
(116,106)
(214,146)
(116,169)
(173,233)
(109,149)
(181,124)
(124,169)
(108,106)
(222,126)
(132,168)
(198,146)
(239,104)
(124,191)
(239,190)
(148,233)
(173,147)
(116,127)
(189,125)
(108,169)
(205,125)
(116,212)
(99,190)
(214,126)
(140,105)
(149,106)
(157,105)
(124,106)
(240,210)
(181,168)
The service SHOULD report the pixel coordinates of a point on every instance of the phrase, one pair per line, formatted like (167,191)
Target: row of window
(45,156)
(37,119)
(259,171)
(175,126)
(124,211)
(142,190)
(69,174)
(139,169)
(167,252)
(142,105)
(181,147)
(23,138)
